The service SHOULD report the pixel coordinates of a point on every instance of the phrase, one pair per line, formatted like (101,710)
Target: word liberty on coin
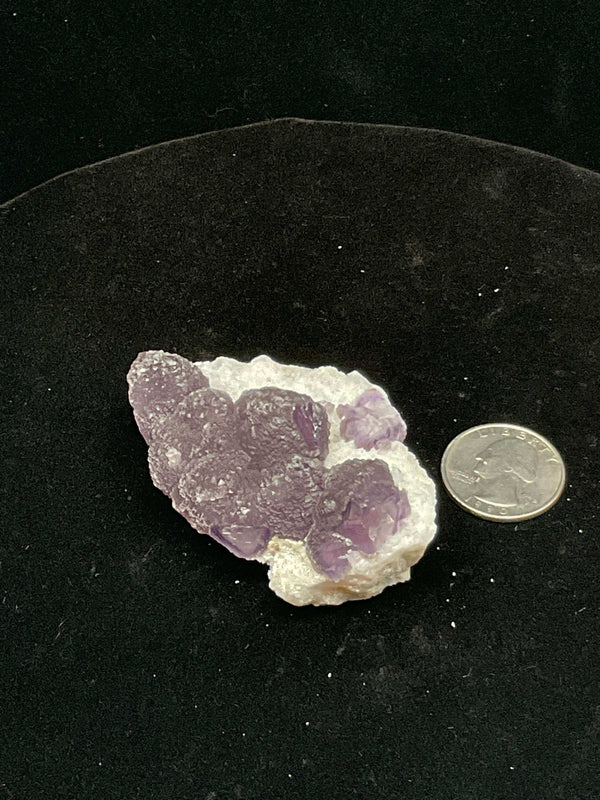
(505,473)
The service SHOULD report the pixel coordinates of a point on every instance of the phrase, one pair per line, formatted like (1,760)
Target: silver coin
(505,473)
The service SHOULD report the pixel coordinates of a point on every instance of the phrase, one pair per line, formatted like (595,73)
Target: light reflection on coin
(505,473)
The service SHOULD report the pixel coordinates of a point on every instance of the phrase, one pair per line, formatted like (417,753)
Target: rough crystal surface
(275,424)
(269,460)
(203,422)
(218,497)
(287,495)
(158,381)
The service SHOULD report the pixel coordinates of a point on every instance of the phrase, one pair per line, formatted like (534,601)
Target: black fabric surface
(84,81)
(143,660)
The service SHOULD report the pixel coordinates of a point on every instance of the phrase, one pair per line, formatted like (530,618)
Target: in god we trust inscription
(505,473)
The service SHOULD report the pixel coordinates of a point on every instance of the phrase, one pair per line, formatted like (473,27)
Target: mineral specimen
(371,421)
(276,463)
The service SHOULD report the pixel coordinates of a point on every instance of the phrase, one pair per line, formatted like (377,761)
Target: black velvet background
(142,660)
(81,81)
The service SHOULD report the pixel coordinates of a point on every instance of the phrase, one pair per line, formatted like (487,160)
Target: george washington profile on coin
(505,473)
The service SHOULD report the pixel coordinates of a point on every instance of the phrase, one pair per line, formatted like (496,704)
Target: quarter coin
(501,472)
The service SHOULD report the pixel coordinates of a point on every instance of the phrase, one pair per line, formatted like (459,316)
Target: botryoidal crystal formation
(302,469)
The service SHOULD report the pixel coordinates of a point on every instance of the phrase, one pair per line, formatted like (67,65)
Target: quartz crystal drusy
(302,469)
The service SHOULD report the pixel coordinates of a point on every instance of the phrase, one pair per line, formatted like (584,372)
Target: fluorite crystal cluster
(301,469)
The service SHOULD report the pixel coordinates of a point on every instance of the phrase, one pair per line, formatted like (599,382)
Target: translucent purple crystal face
(245,471)
(371,422)
(359,509)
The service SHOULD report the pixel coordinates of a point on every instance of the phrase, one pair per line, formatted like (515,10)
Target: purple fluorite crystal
(158,381)
(244,472)
(372,421)
(218,494)
(246,541)
(359,509)
(275,424)
(287,495)
(203,422)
